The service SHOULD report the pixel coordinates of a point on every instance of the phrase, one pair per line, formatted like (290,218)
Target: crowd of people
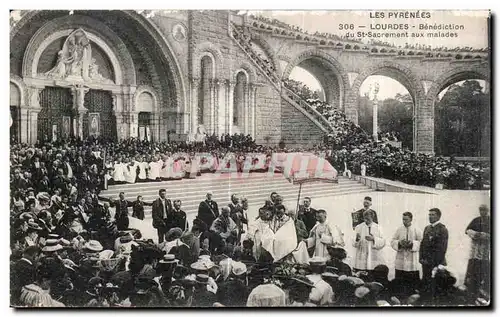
(78,254)
(357,152)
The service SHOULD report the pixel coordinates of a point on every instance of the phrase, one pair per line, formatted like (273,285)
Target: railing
(270,73)
(307,107)
(241,41)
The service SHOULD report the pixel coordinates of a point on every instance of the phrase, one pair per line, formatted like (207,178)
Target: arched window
(239,98)
(204,90)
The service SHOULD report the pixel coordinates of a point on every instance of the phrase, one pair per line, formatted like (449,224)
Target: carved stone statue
(75,62)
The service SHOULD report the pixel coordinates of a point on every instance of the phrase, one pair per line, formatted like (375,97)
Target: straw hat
(52,245)
(202,279)
(239,268)
(94,246)
(168,259)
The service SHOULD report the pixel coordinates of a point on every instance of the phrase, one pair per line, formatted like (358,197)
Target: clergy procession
(81,254)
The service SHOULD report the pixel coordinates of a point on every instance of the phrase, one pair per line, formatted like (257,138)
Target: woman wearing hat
(298,291)
(234,291)
(32,232)
(37,294)
(201,296)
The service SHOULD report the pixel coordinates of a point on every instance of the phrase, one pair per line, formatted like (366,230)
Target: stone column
(134,124)
(424,127)
(246,105)
(253,110)
(220,106)
(30,116)
(230,106)
(24,124)
(118,112)
(216,89)
(195,85)
(211,107)
(375,119)
(80,110)
(33,124)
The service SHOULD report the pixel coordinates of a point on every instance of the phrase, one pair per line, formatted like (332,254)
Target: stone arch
(207,49)
(23,90)
(249,72)
(146,89)
(267,48)
(455,75)
(409,80)
(395,71)
(51,31)
(328,71)
(31,71)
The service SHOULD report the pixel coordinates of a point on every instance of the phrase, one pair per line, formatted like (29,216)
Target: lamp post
(375,111)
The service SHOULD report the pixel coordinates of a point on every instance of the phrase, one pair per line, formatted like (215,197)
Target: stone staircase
(257,187)
(241,39)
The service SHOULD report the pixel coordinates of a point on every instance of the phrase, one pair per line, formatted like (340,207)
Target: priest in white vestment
(143,167)
(281,240)
(119,171)
(406,242)
(154,169)
(369,243)
(130,171)
(258,228)
(323,235)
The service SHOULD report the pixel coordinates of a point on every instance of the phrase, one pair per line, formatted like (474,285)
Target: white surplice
(323,235)
(368,253)
(154,171)
(118,172)
(407,260)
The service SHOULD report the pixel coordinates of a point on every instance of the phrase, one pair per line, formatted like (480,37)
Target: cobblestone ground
(458,208)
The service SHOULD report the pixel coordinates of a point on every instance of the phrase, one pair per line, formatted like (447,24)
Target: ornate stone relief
(75,62)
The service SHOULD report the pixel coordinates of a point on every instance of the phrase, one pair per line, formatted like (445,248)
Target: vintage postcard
(226,158)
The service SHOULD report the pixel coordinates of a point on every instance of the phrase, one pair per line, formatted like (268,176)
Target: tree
(396,115)
(463,121)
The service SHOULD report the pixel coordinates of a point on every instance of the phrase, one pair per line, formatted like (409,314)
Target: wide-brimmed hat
(361,292)
(126,238)
(238,268)
(52,245)
(375,287)
(43,196)
(168,259)
(174,233)
(32,225)
(317,261)
(329,275)
(93,245)
(106,254)
(202,279)
(202,265)
(303,280)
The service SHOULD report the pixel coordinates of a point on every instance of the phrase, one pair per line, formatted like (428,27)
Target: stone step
(256,187)
(223,189)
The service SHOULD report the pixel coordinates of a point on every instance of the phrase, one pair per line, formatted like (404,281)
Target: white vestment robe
(118,172)
(154,171)
(256,229)
(368,253)
(143,166)
(323,235)
(407,260)
(282,242)
(130,172)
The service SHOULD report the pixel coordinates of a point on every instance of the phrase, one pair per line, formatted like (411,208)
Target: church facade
(167,75)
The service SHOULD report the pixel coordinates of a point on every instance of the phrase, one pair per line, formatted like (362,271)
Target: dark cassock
(357,217)
(208,211)
(138,209)
(308,216)
(121,213)
(478,268)
(433,249)
(178,219)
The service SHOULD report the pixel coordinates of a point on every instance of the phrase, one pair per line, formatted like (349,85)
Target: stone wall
(297,129)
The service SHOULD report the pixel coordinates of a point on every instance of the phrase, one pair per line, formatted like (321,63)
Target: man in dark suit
(208,210)
(178,217)
(307,214)
(121,212)
(23,272)
(357,216)
(433,246)
(161,211)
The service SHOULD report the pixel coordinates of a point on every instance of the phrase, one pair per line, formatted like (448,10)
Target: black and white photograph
(250,159)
